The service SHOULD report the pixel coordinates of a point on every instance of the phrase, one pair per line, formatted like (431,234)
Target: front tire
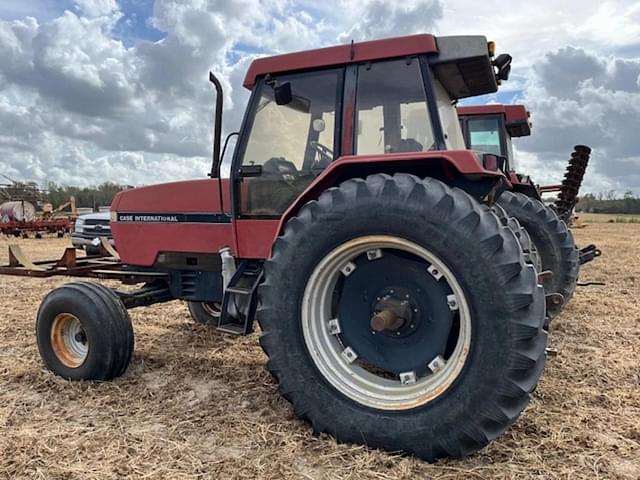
(483,302)
(84,332)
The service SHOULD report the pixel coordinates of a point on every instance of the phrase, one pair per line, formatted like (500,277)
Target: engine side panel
(183,216)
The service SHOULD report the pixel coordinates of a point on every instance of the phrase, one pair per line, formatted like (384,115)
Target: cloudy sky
(95,90)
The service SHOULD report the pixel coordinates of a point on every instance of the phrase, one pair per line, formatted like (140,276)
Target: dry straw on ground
(198,404)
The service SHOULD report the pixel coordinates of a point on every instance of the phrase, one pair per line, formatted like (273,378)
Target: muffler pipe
(228,266)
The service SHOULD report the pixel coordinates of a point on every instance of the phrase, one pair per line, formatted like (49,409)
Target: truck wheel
(553,240)
(84,332)
(399,313)
(206,313)
(92,250)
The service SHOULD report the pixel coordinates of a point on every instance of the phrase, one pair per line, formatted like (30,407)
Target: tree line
(92,197)
(102,195)
(609,202)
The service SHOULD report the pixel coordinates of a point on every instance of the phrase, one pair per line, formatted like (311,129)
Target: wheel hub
(394,314)
(69,340)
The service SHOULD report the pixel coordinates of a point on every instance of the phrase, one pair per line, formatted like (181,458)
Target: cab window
(391,108)
(288,144)
(484,135)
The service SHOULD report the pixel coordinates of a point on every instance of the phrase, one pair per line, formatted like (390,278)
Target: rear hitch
(588,253)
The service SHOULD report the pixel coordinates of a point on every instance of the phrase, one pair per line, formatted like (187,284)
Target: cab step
(240,300)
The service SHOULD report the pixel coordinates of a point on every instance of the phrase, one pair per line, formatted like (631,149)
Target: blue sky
(135,23)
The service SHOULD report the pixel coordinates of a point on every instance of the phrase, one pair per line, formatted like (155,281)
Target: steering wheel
(326,156)
(279,167)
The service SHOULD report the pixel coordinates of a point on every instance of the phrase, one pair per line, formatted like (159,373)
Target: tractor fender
(461,168)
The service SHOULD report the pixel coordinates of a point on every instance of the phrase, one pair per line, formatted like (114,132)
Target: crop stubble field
(197,404)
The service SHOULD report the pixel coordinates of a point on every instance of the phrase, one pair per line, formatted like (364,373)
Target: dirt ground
(197,404)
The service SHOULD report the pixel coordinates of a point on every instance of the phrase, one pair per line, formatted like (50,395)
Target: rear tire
(500,299)
(84,332)
(553,240)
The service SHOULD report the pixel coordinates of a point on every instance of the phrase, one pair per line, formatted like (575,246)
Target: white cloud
(579,97)
(96,8)
(381,18)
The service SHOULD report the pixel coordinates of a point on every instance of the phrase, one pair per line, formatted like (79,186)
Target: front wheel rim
(336,361)
(69,340)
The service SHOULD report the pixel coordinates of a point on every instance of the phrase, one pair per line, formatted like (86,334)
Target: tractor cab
(490,128)
(384,97)
(316,118)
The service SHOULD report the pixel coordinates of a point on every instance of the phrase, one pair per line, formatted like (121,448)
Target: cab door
(283,148)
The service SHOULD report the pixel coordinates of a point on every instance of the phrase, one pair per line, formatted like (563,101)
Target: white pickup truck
(89,229)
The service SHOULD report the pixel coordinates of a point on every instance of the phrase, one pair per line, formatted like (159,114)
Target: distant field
(608,217)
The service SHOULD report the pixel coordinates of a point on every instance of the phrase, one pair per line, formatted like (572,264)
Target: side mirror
(503,64)
(283,93)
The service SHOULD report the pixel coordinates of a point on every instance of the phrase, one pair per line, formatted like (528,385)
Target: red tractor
(490,128)
(395,308)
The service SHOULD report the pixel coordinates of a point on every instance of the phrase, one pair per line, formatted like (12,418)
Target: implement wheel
(553,240)
(399,313)
(206,313)
(84,332)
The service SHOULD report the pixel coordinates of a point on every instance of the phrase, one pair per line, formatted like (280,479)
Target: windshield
(288,145)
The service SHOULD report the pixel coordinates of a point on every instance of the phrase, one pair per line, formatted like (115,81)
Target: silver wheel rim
(69,340)
(331,357)
(212,309)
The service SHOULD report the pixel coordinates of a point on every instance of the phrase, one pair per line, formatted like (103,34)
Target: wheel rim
(212,308)
(340,363)
(69,340)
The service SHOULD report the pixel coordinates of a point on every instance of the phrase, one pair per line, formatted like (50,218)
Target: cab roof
(461,63)
(516,116)
(340,55)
